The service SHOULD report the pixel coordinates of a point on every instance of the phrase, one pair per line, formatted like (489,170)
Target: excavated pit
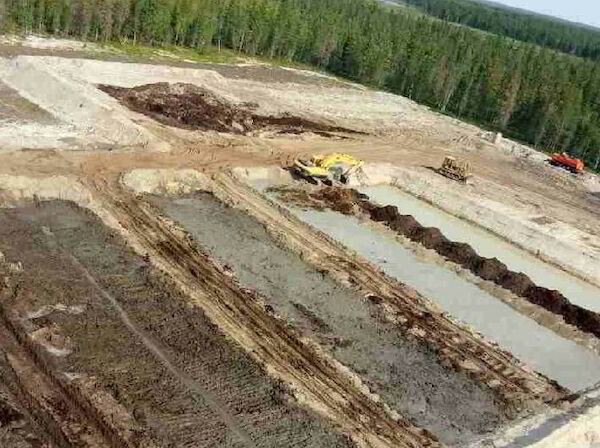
(348,201)
(65,269)
(195,108)
(488,245)
(404,372)
(535,345)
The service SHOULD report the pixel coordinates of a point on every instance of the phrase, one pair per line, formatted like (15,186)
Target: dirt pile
(491,269)
(192,107)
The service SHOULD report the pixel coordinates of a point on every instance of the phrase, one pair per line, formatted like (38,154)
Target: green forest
(544,97)
(541,30)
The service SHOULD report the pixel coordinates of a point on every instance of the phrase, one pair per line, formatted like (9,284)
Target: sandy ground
(287,380)
(514,193)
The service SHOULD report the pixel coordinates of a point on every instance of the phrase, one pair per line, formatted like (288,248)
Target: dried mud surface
(349,201)
(406,373)
(192,107)
(215,395)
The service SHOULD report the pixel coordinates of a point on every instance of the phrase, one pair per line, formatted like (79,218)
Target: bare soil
(195,108)
(117,390)
(214,394)
(247,69)
(16,429)
(404,372)
(15,108)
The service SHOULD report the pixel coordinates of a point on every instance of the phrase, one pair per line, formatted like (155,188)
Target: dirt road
(317,380)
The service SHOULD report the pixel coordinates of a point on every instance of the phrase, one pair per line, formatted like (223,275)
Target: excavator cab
(327,169)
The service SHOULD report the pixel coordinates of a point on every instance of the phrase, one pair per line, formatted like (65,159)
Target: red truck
(563,160)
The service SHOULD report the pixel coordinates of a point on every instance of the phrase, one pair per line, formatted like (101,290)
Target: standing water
(571,365)
(488,245)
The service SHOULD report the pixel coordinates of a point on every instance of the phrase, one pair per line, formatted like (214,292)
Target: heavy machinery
(456,169)
(563,160)
(327,169)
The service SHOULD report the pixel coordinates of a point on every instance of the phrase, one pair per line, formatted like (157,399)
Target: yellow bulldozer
(327,169)
(458,170)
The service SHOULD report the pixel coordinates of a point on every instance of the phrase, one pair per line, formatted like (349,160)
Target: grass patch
(206,55)
(209,55)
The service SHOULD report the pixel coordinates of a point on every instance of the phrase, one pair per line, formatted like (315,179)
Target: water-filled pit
(488,245)
(570,364)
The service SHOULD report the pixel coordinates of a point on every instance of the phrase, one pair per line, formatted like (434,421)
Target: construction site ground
(151,297)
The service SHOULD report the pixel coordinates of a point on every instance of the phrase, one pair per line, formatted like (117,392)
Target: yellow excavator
(327,169)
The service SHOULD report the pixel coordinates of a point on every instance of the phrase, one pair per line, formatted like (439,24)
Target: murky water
(571,365)
(489,245)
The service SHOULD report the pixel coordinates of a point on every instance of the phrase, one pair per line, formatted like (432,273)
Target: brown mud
(125,358)
(405,373)
(349,201)
(195,108)
(16,429)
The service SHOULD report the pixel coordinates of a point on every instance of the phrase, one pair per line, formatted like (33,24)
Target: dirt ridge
(243,317)
(349,201)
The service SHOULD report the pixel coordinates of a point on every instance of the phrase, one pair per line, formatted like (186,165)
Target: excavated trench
(192,107)
(488,245)
(540,348)
(168,376)
(404,372)
(349,201)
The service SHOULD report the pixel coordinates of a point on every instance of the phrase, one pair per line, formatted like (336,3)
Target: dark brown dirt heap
(192,107)
(341,200)
(490,269)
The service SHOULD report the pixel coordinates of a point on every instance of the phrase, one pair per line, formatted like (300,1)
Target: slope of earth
(99,311)
(416,314)
(349,201)
(507,174)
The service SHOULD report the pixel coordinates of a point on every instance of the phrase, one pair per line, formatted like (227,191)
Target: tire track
(195,388)
(316,379)
(517,386)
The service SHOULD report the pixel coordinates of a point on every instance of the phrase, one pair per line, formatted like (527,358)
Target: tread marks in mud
(518,387)
(121,365)
(241,313)
(401,370)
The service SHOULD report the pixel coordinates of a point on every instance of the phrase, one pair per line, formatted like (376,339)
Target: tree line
(537,95)
(570,38)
